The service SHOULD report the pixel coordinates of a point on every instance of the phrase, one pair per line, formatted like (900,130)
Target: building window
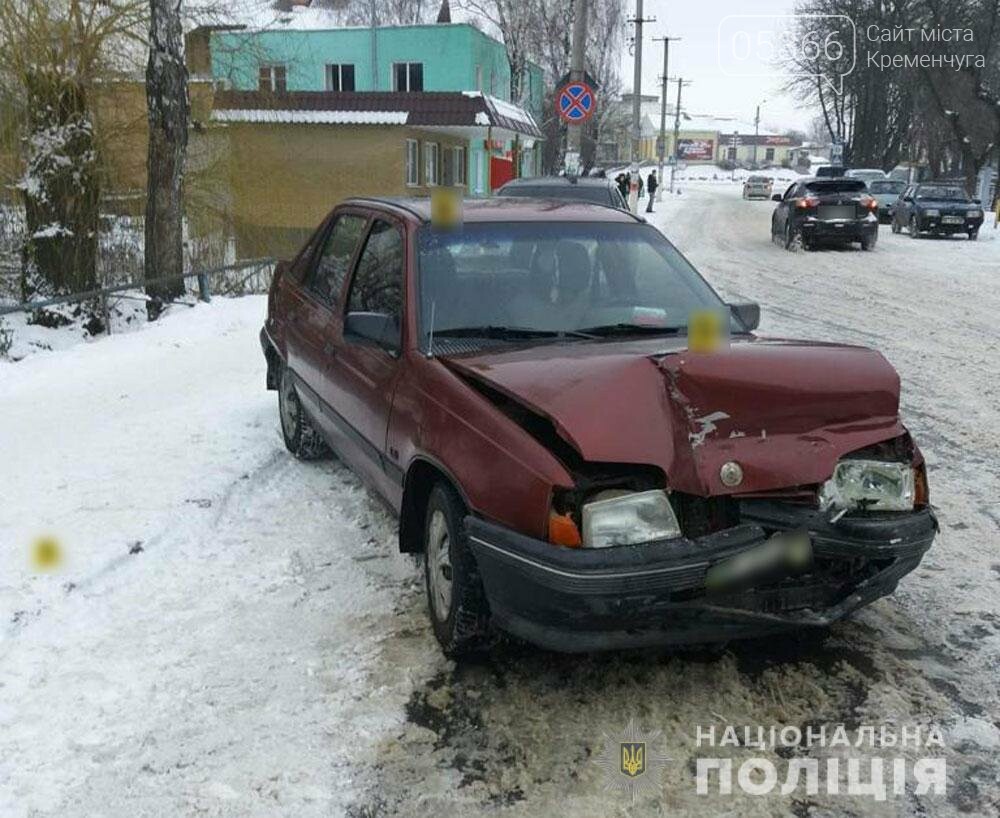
(340,77)
(479,78)
(408,76)
(493,83)
(769,155)
(412,163)
(272,78)
(459,163)
(431,165)
(731,154)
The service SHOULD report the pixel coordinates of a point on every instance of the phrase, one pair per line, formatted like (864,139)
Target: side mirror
(907,198)
(377,328)
(776,197)
(977,201)
(748,314)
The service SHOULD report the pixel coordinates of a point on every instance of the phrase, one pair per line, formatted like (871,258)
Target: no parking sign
(575,102)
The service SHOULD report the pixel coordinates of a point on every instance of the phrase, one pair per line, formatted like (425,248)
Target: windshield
(866,175)
(555,277)
(886,187)
(947,194)
(582,193)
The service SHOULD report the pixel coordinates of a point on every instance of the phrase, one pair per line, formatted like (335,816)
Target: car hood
(786,411)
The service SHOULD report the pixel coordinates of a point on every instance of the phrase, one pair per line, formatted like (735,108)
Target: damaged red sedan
(520,390)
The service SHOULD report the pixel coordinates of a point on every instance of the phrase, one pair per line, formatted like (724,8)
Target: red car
(519,389)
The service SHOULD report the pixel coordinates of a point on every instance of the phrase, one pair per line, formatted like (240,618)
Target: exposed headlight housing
(869,485)
(629,519)
(973,214)
(932,211)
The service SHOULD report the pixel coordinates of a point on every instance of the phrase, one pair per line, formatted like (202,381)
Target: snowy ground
(232,633)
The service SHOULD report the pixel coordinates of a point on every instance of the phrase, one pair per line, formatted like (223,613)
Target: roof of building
(425,108)
(559,181)
(514,209)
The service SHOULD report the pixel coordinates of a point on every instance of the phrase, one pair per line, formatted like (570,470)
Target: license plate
(783,554)
(952,220)
(830,212)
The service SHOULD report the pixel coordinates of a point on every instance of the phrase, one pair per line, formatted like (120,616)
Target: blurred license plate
(952,220)
(782,555)
(836,211)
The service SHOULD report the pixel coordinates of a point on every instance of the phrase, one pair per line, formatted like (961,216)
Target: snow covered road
(265,652)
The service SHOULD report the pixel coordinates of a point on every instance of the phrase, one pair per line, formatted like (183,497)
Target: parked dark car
(886,192)
(592,189)
(520,392)
(941,208)
(818,211)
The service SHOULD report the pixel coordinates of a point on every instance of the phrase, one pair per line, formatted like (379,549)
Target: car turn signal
(921,491)
(563,531)
(806,203)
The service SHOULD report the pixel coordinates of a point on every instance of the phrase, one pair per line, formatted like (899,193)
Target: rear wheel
(868,242)
(456,601)
(895,226)
(301,437)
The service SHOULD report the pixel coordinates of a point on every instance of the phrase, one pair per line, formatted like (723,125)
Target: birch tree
(169,111)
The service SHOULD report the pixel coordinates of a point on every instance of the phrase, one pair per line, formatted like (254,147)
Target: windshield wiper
(495,331)
(632,329)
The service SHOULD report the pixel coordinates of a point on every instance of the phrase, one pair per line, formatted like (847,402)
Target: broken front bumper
(578,600)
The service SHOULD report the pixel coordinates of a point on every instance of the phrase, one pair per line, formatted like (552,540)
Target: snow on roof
(275,115)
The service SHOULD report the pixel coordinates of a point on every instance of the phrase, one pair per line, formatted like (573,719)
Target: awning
(466,113)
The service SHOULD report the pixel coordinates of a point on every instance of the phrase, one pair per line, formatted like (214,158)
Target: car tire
(895,226)
(300,436)
(456,601)
(973,235)
(914,230)
(788,240)
(869,242)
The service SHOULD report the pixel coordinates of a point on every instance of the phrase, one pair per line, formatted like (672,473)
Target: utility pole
(577,73)
(756,131)
(633,193)
(661,153)
(677,127)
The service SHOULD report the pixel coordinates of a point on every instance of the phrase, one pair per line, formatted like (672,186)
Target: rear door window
(836,186)
(334,261)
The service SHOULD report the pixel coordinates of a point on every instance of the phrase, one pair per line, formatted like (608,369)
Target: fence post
(204,290)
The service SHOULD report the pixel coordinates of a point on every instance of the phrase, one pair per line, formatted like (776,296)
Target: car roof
(509,209)
(559,181)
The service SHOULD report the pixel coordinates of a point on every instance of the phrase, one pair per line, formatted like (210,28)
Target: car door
(363,373)
(904,206)
(315,323)
(781,211)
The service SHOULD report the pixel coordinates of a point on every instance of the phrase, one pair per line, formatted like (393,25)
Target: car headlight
(973,214)
(629,519)
(931,211)
(869,485)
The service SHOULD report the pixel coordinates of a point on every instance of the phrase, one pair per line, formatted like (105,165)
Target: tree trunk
(168,110)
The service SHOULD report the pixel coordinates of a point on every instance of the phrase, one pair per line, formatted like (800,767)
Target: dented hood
(785,411)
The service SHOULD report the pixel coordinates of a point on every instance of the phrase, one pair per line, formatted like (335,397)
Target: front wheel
(301,437)
(914,230)
(456,601)
(789,237)
(973,235)
(895,226)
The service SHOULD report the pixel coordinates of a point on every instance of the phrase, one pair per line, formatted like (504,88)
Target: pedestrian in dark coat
(651,186)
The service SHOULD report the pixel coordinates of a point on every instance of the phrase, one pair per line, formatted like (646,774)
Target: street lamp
(756,132)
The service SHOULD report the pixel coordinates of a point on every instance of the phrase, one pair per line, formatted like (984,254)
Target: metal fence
(241,278)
